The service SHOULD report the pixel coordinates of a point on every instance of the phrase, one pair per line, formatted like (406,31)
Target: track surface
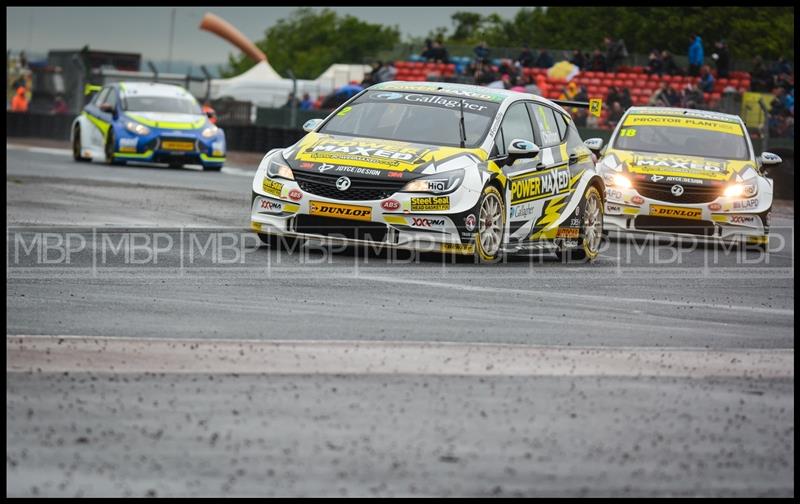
(359,429)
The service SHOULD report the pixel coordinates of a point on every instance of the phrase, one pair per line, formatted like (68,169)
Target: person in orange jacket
(208,108)
(19,103)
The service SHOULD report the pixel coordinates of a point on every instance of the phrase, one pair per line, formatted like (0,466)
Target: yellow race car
(437,167)
(686,172)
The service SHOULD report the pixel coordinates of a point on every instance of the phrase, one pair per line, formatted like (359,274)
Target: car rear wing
(595,105)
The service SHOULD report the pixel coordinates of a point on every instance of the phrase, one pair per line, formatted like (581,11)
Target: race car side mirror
(594,144)
(518,149)
(768,158)
(311,125)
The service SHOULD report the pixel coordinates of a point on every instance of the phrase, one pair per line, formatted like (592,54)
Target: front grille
(691,193)
(673,225)
(361,189)
(331,226)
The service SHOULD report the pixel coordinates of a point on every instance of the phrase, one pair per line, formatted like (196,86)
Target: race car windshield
(414,117)
(161,104)
(682,136)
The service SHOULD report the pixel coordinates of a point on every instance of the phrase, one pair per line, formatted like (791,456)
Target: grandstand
(640,84)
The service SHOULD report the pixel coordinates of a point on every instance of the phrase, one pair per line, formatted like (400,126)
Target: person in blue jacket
(695,55)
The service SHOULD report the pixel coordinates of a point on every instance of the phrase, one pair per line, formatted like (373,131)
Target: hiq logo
(389,96)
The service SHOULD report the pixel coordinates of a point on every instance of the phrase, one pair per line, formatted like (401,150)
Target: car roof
(480,92)
(700,114)
(152,89)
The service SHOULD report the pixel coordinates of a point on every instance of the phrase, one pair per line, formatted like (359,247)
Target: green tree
(748,31)
(309,41)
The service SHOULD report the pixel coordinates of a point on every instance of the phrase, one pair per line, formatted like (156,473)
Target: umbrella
(563,70)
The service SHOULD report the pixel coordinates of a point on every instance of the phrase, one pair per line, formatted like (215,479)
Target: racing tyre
(77,147)
(591,229)
(110,158)
(491,225)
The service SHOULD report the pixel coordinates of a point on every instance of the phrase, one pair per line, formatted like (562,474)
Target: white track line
(139,355)
(588,297)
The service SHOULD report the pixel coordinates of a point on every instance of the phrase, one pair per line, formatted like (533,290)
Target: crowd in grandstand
(702,84)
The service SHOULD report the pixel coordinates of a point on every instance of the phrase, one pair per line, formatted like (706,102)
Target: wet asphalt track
(96,431)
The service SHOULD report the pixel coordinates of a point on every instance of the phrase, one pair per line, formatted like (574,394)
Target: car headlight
(210,131)
(438,184)
(139,129)
(279,168)
(742,189)
(617,180)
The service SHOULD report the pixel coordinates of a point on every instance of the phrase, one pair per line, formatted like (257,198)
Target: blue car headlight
(210,131)
(139,129)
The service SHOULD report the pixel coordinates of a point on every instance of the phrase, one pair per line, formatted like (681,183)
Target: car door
(100,119)
(550,186)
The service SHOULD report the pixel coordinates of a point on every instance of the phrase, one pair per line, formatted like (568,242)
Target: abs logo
(389,96)
(423,222)
(391,204)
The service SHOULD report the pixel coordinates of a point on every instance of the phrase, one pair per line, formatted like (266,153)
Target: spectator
(782,66)
(692,97)
(531,87)
(613,95)
(578,59)
(59,106)
(625,100)
(786,82)
(722,57)
(291,101)
(779,113)
(209,111)
(580,115)
(544,60)
(696,57)
(654,64)
(706,81)
(614,115)
(598,63)
(665,96)
(19,103)
(306,104)
(525,58)
(616,52)
(482,52)
(385,72)
(761,78)
(428,54)
(440,54)
(668,65)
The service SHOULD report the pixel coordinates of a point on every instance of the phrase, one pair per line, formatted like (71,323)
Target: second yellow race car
(686,172)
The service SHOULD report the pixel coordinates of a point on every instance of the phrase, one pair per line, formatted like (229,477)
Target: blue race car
(150,122)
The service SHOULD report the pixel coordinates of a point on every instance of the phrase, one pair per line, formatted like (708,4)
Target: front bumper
(412,221)
(723,219)
(183,148)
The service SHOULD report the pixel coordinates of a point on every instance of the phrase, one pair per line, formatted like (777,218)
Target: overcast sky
(146,29)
